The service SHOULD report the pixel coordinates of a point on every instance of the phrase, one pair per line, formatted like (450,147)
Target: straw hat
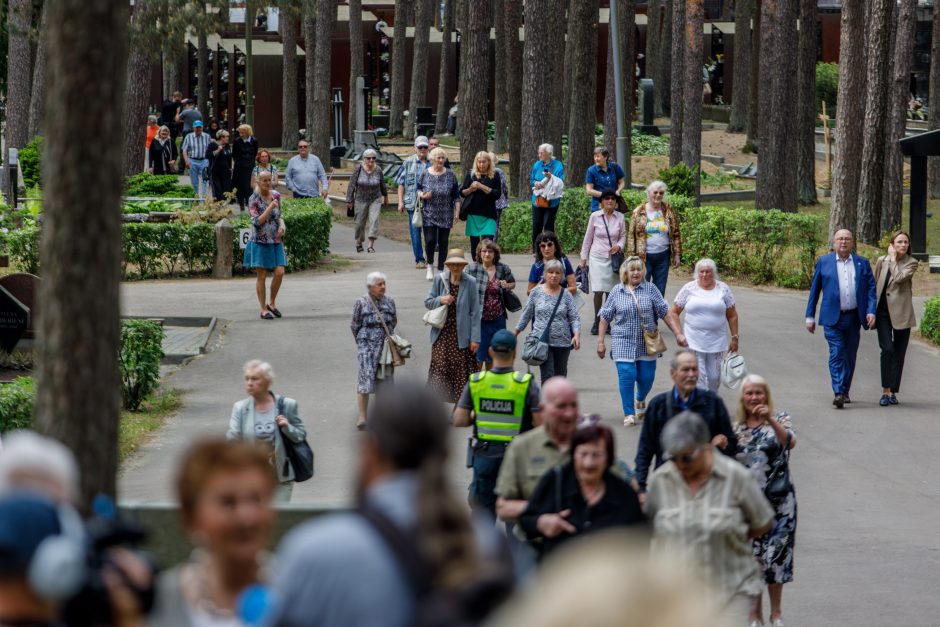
(455,255)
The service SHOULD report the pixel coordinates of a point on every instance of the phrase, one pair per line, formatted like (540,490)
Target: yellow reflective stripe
(486,437)
(489,424)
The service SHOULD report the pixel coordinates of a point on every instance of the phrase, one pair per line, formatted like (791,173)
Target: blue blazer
(826,281)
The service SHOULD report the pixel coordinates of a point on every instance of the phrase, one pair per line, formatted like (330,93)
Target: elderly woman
(709,315)
(547,247)
(439,195)
(265,252)
(264,164)
(219,153)
(366,194)
(632,307)
(547,166)
(653,235)
(268,418)
(705,510)
(763,437)
(224,491)
(603,175)
(551,303)
(453,347)
(604,238)
(594,497)
(894,315)
(163,153)
(244,150)
(370,333)
(492,278)
(480,191)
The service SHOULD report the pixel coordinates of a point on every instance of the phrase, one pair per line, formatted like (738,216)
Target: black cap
(609,193)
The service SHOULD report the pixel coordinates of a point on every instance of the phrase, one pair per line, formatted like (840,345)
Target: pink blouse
(595,242)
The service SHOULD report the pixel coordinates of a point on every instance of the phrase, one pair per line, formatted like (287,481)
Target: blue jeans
(843,346)
(638,376)
(415,232)
(487,458)
(196,168)
(488,329)
(657,270)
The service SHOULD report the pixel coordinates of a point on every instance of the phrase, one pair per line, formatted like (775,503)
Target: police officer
(500,403)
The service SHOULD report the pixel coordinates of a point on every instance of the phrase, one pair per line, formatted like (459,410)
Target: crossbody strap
(404,549)
(609,241)
(378,313)
(639,312)
(551,318)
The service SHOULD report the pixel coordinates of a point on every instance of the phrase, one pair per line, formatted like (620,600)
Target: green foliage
(827,87)
(930,323)
(31,162)
(157,185)
(141,352)
(680,179)
(307,236)
(166,249)
(16,404)
(643,145)
(23,246)
(157,206)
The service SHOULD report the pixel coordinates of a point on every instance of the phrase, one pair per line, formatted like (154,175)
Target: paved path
(868,551)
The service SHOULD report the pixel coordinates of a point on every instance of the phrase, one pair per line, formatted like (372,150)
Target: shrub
(680,179)
(827,88)
(141,352)
(930,323)
(157,185)
(642,144)
(31,162)
(16,404)
(23,246)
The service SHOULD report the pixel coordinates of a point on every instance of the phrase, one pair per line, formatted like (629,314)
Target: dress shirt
(846,269)
(305,176)
(195,145)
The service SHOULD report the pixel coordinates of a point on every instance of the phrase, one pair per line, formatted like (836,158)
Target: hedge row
(930,323)
(16,404)
(166,249)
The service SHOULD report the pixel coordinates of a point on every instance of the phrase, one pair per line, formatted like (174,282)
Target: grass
(136,426)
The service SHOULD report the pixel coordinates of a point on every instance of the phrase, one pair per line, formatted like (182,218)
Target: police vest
(499,401)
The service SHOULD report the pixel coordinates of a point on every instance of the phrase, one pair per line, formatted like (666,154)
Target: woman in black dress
(220,165)
(244,150)
(163,153)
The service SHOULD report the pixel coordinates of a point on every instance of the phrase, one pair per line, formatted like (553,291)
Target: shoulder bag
(299,454)
(778,482)
(398,347)
(653,339)
(436,317)
(353,185)
(511,302)
(616,259)
(535,348)
(733,370)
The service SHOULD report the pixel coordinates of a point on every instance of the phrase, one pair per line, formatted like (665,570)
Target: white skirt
(603,278)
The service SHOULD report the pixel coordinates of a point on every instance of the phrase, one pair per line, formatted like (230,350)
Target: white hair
(374,277)
(547,148)
(705,262)
(554,264)
(28,453)
(655,185)
(369,152)
(263,368)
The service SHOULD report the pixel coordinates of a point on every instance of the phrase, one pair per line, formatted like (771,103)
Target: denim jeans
(636,380)
(487,458)
(657,270)
(415,232)
(196,168)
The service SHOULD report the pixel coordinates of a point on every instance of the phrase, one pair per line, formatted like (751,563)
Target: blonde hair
(261,175)
(245,127)
(752,379)
(437,152)
(628,264)
(490,173)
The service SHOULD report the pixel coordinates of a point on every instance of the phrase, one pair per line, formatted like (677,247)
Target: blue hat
(503,342)
(26,519)
(197,123)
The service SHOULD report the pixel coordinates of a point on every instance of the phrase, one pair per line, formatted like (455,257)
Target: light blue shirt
(305,176)
(846,269)
(408,177)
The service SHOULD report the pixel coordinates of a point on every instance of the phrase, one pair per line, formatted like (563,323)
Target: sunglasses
(547,245)
(370,159)
(302,147)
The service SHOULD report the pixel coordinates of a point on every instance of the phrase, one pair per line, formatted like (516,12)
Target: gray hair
(26,452)
(161,129)
(652,187)
(369,152)
(674,362)
(554,264)
(263,368)
(686,430)
(705,262)
(547,148)
(374,277)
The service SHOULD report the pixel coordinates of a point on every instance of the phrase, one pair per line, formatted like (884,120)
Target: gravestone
(14,319)
(24,287)
(646,108)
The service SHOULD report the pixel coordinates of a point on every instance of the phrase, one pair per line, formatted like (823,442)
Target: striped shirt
(708,532)
(627,327)
(195,145)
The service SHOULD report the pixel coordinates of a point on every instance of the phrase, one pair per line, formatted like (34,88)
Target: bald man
(848,293)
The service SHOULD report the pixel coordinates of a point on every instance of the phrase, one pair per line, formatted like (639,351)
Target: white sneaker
(429,275)
(629,421)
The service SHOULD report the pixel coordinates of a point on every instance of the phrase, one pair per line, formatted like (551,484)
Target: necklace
(196,587)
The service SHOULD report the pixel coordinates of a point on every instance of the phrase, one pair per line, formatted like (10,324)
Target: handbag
(652,339)
(299,454)
(398,349)
(417,219)
(511,302)
(464,209)
(616,259)
(350,211)
(541,202)
(733,370)
(582,278)
(778,483)
(535,348)
(436,317)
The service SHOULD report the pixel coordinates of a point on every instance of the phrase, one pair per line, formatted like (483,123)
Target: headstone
(24,287)
(647,112)
(14,320)
(224,255)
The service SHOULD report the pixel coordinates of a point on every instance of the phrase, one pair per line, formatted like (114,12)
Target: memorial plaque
(25,288)
(14,320)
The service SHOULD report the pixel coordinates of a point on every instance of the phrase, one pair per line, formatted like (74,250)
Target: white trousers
(709,370)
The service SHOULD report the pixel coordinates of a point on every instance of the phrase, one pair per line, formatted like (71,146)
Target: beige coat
(898,286)
(636,232)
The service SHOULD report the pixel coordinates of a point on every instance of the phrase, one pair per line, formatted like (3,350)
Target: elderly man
(195,153)
(408,177)
(848,303)
(543,217)
(306,177)
(684,396)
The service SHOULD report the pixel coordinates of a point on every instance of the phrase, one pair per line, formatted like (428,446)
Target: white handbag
(416,219)
(436,317)
(733,370)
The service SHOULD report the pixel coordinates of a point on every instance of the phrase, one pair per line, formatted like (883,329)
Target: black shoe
(846,398)
(893,400)
(839,401)
(594,327)
(885,400)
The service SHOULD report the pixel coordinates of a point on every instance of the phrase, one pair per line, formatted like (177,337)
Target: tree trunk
(610,104)
(290,118)
(566,63)
(628,37)
(447,60)
(806,106)
(322,109)
(396,113)
(665,56)
(39,79)
(893,198)
(19,65)
(582,50)
(513,51)
(424,18)
(933,115)
(501,106)
(743,11)
(134,129)
(753,94)
(678,86)
(537,81)
(876,110)
(654,52)
(558,123)
(356,60)
(78,384)
(309,26)
(473,98)
(172,72)
(693,90)
(851,99)
(776,177)
(202,75)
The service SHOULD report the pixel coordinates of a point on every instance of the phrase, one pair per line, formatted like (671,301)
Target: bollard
(224,255)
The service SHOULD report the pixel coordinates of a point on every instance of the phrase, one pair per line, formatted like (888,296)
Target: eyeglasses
(303,147)
(370,159)
(687,458)
(547,245)
(422,147)
(658,193)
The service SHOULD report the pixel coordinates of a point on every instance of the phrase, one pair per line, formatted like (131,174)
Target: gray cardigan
(242,427)
(468,307)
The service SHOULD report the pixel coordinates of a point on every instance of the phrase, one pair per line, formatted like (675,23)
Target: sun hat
(455,255)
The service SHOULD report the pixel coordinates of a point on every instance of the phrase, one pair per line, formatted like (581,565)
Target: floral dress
(370,337)
(757,449)
(451,366)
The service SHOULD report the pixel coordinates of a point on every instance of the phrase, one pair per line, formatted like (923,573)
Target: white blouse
(705,324)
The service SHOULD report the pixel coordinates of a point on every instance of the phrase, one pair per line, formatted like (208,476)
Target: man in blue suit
(848,302)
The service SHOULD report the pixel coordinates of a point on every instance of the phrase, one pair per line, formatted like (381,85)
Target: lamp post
(623,150)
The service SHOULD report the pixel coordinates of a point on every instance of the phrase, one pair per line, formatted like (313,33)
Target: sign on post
(243,236)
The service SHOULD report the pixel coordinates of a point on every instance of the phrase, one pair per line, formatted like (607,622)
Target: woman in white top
(709,316)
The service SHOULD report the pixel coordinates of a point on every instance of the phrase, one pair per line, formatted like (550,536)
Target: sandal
(361,426)
(277,314)
(370,249)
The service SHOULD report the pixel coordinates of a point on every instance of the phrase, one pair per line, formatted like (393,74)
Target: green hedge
(16,404)
(307,238)
(930,323)
(158,185)
(31,162)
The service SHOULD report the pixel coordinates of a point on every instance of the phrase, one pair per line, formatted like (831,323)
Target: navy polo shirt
(602,180)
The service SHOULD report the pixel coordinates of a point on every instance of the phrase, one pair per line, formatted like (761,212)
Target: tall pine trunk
(678,82)
(654,52)
(753,94)
(513,51)
(871,186)
(19,65)
(851,98)
(356,60)
(558,123)
(78,384)
(134,129)
(776,177)
(500,103)
(447,60)
(582,50)
(893,196)
(628,37)
(743,11)
(424,17)
(38,90)
(693,90)
(322,109)
(933,120)
(399,45)
(173,69)
(610,105)
(537,81)
(806,106)
(290,118)
(665,55)
(309,25)
(474,94)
